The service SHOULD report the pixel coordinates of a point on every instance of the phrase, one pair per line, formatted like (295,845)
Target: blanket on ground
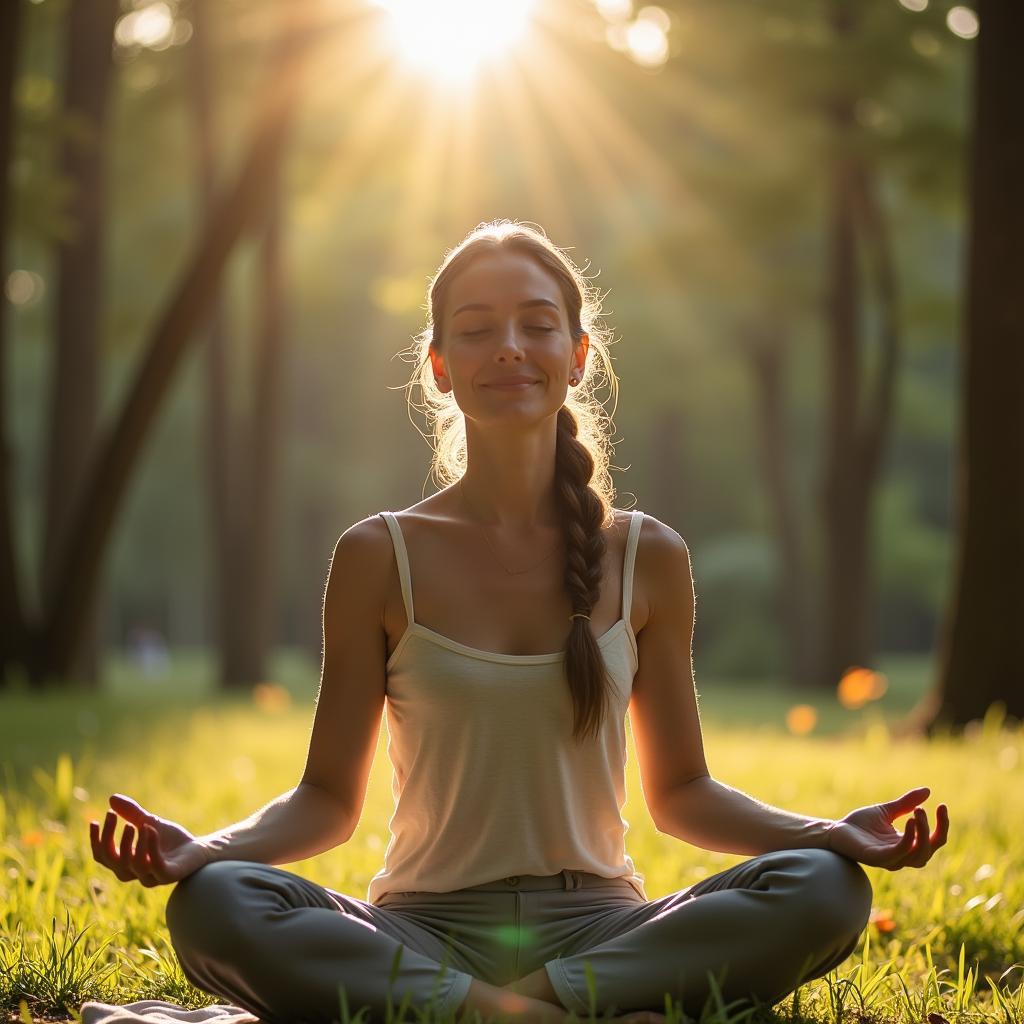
(154,1011)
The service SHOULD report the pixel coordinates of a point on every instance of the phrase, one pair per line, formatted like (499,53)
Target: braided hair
(583,489)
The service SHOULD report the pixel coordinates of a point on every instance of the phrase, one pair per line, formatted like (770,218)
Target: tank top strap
(402,558)
(635,521)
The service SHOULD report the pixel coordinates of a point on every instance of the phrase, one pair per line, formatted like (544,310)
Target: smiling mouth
(520,385)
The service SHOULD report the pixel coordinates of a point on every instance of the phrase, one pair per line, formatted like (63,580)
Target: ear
(444,385)
(580,352)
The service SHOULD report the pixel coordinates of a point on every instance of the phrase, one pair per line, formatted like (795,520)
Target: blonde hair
(583,485)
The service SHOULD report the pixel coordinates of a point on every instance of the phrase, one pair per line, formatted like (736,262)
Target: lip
(512,383)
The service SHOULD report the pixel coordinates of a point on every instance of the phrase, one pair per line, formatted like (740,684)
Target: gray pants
(281,946)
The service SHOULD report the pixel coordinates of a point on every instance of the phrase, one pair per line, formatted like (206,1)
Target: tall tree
(859,409)
(78,361)
(12,616)
(242,452)
(45,647)
(982,650)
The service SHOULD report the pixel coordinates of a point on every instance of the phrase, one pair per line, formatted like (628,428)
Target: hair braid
(584,514)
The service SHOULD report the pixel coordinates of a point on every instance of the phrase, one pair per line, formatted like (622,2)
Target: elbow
(667,813)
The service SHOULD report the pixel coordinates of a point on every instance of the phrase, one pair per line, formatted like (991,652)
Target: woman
(541,615)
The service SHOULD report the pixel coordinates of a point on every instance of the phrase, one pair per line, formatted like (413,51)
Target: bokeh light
(24,287)
(615,10)
(151,26)
(962,22)
(801,719)
(859,686)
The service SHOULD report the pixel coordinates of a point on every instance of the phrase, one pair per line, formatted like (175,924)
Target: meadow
(944,943)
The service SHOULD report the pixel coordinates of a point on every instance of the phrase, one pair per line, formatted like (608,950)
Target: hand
(165,852)
(866,834)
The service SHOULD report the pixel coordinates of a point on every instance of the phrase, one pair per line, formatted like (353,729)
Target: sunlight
(452,38)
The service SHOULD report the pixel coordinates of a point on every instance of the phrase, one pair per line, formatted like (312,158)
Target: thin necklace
(511,572)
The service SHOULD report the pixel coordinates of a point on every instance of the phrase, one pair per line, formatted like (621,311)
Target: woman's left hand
(866,834)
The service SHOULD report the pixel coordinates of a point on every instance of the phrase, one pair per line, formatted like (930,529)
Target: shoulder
(367,540)
(364,552)
(664,571)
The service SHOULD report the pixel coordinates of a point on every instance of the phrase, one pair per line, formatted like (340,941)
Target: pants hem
(563,987)
(458,989)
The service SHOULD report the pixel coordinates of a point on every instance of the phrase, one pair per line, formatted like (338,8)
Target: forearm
(298,824)
(709,814)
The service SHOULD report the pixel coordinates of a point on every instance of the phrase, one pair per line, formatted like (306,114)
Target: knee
(838,891)
(203,907)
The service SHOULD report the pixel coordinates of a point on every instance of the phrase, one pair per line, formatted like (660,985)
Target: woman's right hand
(165,852)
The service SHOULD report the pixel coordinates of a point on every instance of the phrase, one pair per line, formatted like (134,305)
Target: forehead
(502,278)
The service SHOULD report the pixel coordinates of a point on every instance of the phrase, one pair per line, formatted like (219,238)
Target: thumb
(906,803)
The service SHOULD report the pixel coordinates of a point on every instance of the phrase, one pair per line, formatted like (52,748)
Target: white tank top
(487,780)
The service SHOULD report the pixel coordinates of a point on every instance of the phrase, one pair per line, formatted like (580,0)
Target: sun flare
(453,38)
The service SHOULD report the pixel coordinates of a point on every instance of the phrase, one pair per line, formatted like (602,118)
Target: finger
(903,804)
(94,842)
(156,856)
(903,849)
(126,874)
(142,863)
(923,847)
(107,837)
(938,837)
(129,809)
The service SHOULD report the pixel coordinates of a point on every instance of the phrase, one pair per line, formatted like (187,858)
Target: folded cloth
(155,1011)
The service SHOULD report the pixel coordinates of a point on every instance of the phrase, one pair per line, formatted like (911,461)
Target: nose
(510,348)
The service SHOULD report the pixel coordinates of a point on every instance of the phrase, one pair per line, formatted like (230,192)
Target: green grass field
(945,942)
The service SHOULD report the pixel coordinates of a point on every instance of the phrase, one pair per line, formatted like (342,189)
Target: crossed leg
(761,928)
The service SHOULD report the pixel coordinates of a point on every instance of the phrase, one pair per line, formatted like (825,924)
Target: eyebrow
(522,305)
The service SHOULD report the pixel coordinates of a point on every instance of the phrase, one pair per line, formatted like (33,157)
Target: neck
(510,481)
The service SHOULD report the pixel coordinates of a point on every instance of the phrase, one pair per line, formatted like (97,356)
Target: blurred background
(219,224)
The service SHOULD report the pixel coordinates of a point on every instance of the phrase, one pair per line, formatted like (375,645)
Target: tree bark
(765,347)
(263,461)
(77,565)
(982,642)
(13,635)
(857,427)
(223,474)
(78,358)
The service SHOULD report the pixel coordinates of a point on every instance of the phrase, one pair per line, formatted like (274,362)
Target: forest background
(221,223)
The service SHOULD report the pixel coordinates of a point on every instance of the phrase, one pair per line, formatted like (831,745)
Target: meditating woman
(506,624)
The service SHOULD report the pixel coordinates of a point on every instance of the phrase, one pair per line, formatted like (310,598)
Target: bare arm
(683,798)
(298,824)
(322,810)
(714,816)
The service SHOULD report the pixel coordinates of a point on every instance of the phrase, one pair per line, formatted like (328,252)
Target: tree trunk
(857,428)
(13,633)
(223,473)
(242,469)
(77,564)
(78,356)
(982,646)
(766,348)
(263,462)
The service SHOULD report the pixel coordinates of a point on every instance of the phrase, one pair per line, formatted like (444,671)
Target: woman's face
(506,347)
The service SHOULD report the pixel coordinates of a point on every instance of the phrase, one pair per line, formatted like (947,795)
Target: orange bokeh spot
(882,919)
(271,697)
(801,719)
(860,685)
(34,838)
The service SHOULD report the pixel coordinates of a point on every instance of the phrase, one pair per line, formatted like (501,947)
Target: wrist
(827,828)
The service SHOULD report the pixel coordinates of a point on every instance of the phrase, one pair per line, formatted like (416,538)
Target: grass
(945,942)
